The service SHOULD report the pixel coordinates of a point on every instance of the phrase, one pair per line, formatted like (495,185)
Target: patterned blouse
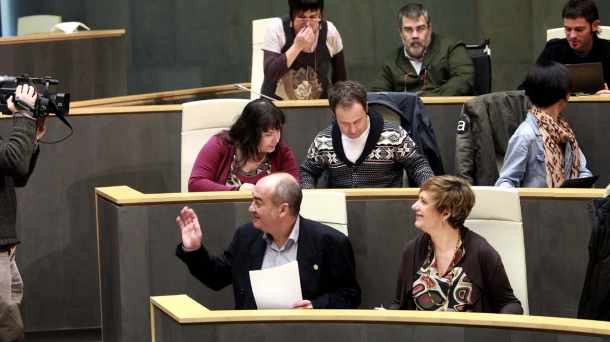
(238,176)
(460,296)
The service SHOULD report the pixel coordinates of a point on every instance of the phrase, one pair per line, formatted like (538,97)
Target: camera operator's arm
(41,128)
(18,154)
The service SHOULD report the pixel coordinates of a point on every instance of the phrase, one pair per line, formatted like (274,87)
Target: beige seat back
(36,24)
(497,217)
(327,207)
(200,121)
(560,33)
(259,27)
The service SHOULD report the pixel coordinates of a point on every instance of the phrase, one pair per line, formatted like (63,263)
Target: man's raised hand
(189,225)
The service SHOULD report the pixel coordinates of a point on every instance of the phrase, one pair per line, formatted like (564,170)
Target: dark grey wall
(57,256)
(86,68)
(184,44)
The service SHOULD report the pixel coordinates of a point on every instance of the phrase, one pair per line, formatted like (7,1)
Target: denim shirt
(524,160)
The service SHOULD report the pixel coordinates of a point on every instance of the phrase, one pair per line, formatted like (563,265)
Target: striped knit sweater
(388,150)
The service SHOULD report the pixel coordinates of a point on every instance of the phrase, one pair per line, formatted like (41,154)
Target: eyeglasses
(420,29)
(311,20)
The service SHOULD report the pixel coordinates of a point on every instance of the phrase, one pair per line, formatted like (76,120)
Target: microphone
(237,85)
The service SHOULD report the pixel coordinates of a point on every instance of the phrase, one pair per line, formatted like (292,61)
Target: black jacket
(414,119)
(595,298)
(485,126)
(559,50)
(326,266)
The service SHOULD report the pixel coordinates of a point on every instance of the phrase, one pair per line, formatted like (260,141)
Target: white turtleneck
(353,147)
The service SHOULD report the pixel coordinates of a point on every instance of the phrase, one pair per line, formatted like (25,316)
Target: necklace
(452,266)
(315,64)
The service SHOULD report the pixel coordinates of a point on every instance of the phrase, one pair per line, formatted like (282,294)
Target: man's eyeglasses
(420,29)
(311,20)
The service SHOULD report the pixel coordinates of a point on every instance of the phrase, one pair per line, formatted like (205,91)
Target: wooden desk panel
(140,147)
(180,318)
(380,222)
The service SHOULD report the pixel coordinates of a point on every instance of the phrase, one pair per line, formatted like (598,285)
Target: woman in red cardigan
(251,149)
(449,267)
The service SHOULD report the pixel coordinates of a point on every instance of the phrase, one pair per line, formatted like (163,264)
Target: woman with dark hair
(449,267)
(250,150)
(299,49)
(543,151)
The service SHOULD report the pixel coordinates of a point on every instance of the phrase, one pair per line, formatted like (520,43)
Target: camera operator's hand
(26,94)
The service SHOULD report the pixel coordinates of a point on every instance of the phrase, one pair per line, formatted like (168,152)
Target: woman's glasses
(311,20)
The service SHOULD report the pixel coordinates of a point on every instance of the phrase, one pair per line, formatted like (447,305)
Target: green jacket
(450,71)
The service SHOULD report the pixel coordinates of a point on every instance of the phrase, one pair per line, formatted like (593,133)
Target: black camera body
(46,103)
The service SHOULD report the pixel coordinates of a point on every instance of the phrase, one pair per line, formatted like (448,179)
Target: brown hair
(346,94)
(452,194)
(258,117)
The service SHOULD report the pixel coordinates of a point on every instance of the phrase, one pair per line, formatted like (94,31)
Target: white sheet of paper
(278,287)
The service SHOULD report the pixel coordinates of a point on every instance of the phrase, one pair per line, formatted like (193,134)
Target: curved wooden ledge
(443,100)
(185,310)
(126,110)
(592,98)
(124,195)
(177,109)
(194,94)
(298,104)
(165,96)
(324,103)
(55,36)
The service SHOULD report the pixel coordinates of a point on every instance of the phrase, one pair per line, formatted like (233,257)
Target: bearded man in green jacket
(426,64)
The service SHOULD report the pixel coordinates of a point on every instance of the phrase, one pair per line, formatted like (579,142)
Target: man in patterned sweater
(361,149)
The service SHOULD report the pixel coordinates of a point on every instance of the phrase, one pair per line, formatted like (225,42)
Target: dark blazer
(491,291)
(595,297)
(330,285)
(559,50)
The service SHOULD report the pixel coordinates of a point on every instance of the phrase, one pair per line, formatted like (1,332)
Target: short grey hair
(413,11)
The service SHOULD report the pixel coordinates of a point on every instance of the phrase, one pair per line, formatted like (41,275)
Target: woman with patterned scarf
(543,152)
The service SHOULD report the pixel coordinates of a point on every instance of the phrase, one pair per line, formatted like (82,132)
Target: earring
(443,221)
(291,23)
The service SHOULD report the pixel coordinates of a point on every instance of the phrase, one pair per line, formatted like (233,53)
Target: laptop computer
(586,182)
(587,78)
